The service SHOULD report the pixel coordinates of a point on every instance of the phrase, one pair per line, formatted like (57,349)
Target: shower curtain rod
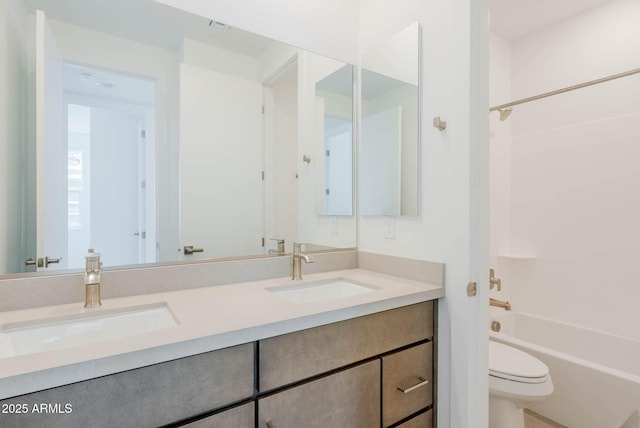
(567,89)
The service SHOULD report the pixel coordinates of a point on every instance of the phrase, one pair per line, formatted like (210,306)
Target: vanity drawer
(407,382)
(292,357)
(238,417)
(423,420)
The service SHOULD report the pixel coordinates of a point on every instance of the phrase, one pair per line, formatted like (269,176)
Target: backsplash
(24,292)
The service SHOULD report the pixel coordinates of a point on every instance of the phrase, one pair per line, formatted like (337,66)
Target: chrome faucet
(92,280)
(280,249)
(296,261)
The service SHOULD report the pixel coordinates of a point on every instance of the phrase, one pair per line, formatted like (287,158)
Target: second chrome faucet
(296,261)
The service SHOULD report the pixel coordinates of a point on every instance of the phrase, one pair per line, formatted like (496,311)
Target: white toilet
(515,380)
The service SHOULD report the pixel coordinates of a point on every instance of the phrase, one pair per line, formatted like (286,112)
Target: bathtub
(596,375)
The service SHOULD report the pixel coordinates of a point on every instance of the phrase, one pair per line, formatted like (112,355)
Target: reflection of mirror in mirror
(334,135)
(390,143)
(208,127)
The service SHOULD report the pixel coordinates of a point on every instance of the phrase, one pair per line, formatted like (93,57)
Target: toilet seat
(509,363)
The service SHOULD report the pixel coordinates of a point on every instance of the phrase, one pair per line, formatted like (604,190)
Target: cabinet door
(150,396)
(238,417)
(350,398)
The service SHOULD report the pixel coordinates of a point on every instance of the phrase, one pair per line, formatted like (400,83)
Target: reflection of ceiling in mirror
(101,83)
(149,22)
(375,84)
(338,82)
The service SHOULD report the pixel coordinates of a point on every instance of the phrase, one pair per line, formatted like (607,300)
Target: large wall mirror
(389,158)
(150,131)
(334,140)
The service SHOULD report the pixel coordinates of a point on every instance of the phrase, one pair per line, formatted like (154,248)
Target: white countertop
(208,319)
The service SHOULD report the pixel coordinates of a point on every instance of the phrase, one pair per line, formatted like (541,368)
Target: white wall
(221,60)
(13,87)
(454,189)
(574,198)
(500,158)
(283,156)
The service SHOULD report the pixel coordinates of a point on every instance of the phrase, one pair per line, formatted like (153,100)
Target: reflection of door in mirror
(220,163)
(50,155)
(281,155)
(380,163)
(337,166)
(106,130)
(389,82)
(90,122)
(334,139)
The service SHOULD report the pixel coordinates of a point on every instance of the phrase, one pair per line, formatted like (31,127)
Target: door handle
(188,249)
(50,261)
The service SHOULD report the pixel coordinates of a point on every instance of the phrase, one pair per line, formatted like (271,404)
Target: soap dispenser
(92,280)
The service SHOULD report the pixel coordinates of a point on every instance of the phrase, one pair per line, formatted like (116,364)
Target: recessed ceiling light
(105,85)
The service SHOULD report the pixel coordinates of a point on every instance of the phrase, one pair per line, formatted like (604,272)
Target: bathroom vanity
(245,355)
(348,373)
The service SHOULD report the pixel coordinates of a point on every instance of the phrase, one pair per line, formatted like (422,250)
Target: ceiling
(513,19)
(149,22)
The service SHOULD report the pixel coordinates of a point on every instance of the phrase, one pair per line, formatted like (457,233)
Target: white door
(221,206)
(51,150)
(117,191)
(380,160)
(338,166)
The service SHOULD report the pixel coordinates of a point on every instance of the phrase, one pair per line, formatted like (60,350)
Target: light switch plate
(389,227)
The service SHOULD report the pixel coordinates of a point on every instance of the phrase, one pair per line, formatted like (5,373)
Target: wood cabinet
(238,417)
(150,396)
(348,398)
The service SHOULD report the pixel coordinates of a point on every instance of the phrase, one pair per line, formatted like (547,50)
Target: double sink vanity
(347,347)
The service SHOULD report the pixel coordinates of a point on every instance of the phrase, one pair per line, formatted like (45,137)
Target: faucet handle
(280,245)
(493,281)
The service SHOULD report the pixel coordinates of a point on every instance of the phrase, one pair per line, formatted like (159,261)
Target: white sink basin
(30,337)
(322,290)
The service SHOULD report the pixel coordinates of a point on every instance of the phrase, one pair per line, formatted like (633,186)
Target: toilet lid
(510,363)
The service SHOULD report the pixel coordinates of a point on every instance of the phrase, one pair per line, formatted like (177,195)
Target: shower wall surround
(573,204)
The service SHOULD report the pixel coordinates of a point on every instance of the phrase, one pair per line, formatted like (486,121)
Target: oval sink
(321,290)
(30,337)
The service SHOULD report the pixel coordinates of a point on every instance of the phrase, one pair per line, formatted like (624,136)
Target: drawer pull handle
(270,425)
(406,390)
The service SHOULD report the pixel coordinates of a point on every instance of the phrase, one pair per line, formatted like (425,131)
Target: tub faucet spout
(500,304)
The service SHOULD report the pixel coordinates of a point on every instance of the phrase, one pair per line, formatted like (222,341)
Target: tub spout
(500,304)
